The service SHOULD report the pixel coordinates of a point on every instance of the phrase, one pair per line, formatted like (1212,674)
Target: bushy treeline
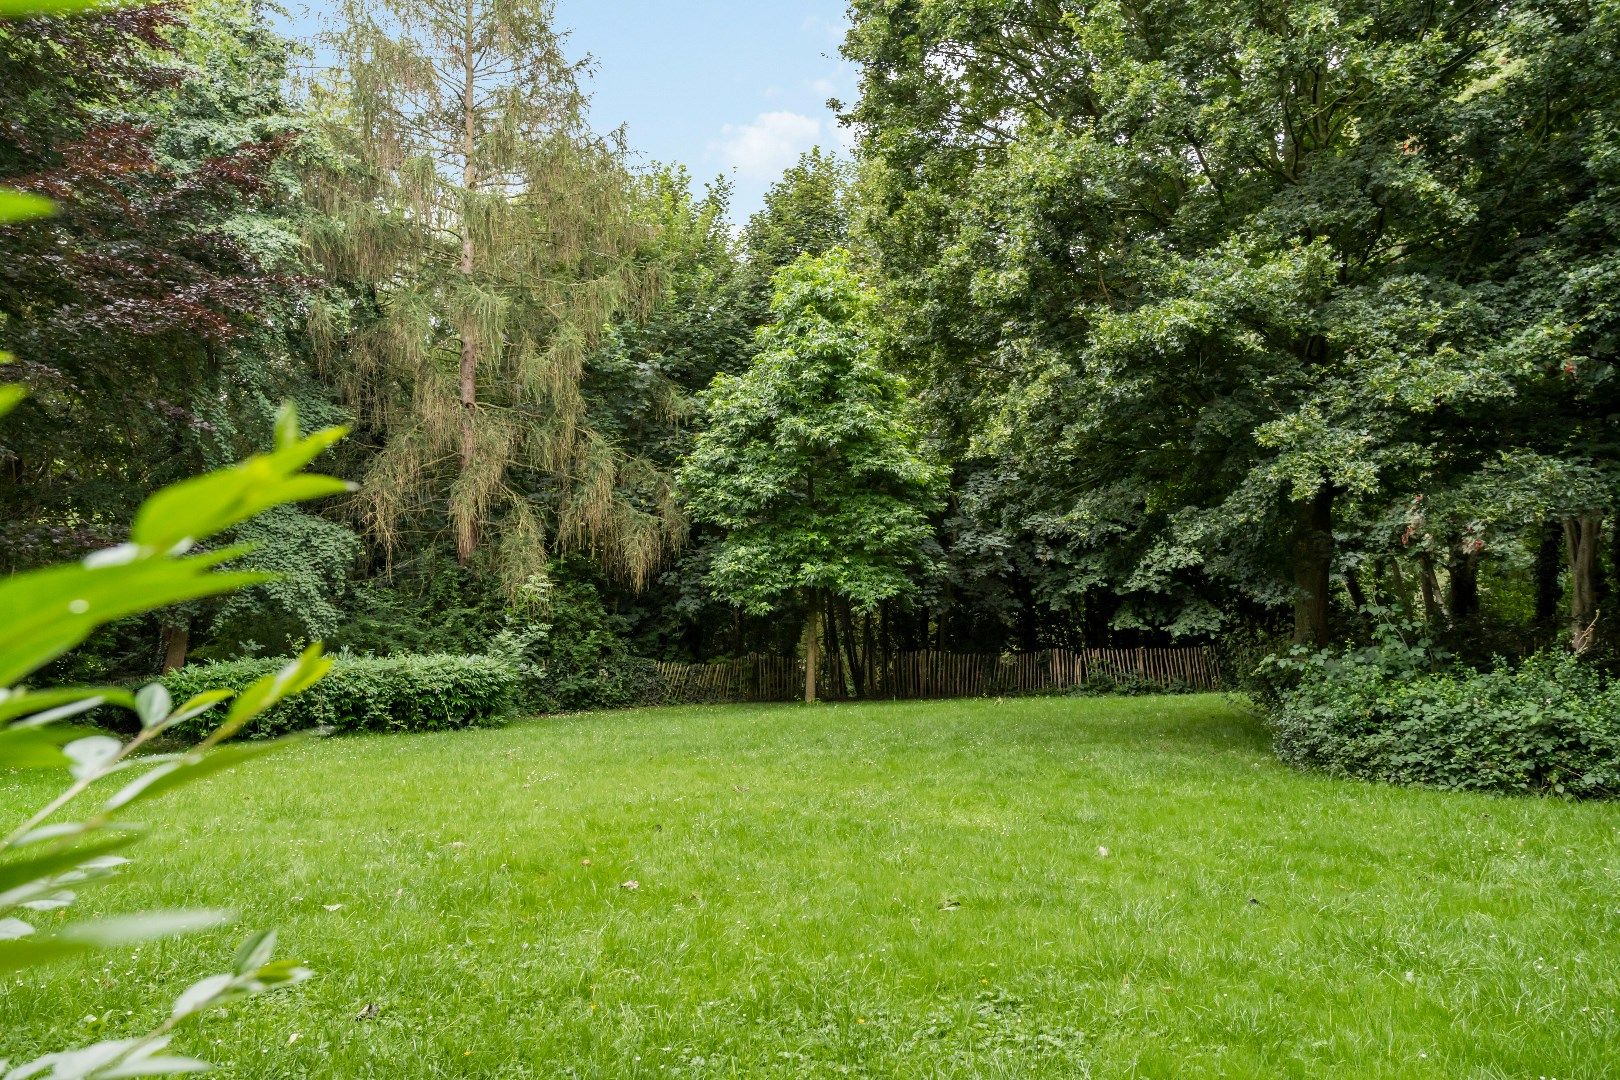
(375,694)
(1247,314)
(1204,323)
(1397,713)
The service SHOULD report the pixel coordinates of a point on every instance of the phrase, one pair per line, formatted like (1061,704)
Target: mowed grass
(1027,888)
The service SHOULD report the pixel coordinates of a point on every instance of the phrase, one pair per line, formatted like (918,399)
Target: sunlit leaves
(266,691)
(82,937)
(43,861)
(57,608)
(189,767)
(21,206)
(196,509)
(19,873)
(19,9)
(810,461)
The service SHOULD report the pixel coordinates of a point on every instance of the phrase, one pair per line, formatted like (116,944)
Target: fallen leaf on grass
(632,885)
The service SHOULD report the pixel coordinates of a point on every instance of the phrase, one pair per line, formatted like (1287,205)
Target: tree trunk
(176,641)
(1430,587)
(1352,589)
(864,676)
(467,526)
(1399,588)
(1581,535)
(1313,565)
(812,650)
(852,651)
(1462,590)
(886,647)
(835,658)
(1550,573)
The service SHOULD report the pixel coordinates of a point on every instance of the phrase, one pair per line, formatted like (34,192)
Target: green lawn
(1028,888)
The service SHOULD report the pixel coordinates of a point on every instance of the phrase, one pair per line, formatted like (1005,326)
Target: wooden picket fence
(930,674)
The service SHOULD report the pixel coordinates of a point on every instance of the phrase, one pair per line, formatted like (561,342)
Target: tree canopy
(809,460)
(1209,285)
(1118,325)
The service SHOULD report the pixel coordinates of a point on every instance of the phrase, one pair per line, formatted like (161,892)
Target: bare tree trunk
(835,656)
(1549,573)
(886,646)
(1399,587)
(852,649)
(865,676)
(1581,535)
(1313,565)
(176,642)
(1352,589)
(1462,590)
(812,649)
(467,530)
(1430,587)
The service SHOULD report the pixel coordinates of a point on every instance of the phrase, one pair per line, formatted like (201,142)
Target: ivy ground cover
(1026,888)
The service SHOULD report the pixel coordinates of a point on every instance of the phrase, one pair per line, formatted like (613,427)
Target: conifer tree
(490,236)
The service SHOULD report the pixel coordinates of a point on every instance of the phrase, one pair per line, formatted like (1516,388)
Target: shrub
(571,652)
(1106,683)
(1549,725)
(401,693)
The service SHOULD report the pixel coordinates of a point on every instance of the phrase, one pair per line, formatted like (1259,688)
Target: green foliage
(45,860)
(430,604)
(376,694)
(1547,725)
(311,561)
(806,212)
(479,238)
(640,384)
(571,651)
(154,312)
(1108,684)
(811,464)
(1210,288)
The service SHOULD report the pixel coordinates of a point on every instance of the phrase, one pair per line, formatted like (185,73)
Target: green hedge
(1548,725)
(401,693)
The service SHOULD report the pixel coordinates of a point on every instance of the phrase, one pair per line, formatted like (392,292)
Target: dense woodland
(1126,324)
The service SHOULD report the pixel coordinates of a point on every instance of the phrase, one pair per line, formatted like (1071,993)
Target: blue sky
(733,86)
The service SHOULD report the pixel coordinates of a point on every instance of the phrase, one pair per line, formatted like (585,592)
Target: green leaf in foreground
(38,948)
(22,9)
(20,205)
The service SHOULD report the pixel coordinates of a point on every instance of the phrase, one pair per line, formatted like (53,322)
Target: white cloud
(824,87)
(830,30)
(774,140)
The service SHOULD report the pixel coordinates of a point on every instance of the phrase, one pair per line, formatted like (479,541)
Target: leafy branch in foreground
(44,861)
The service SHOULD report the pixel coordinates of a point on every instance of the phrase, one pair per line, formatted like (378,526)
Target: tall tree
(492,236)
(811,464)
(806,212)
(1219,279)
(151,314)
